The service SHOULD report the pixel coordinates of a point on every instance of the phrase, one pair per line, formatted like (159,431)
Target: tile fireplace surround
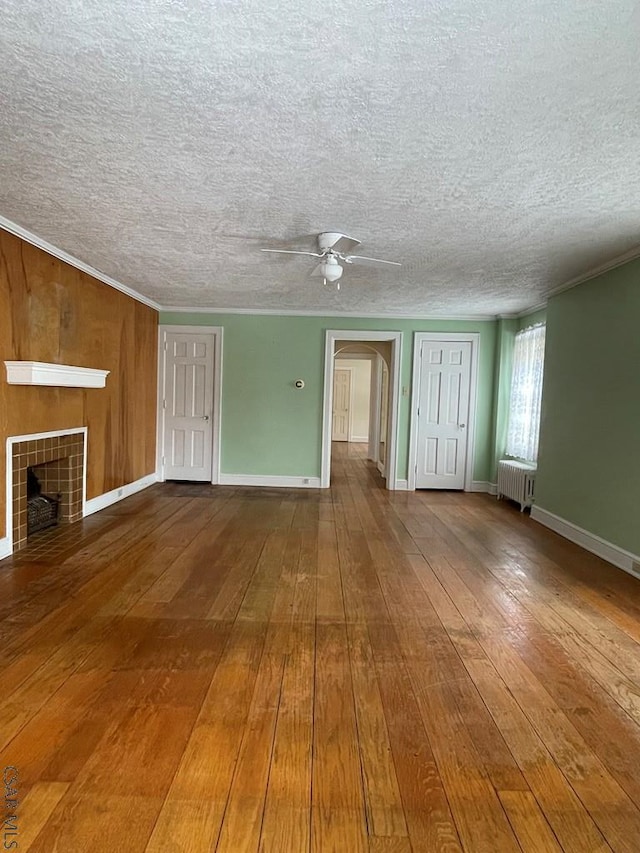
(62,457)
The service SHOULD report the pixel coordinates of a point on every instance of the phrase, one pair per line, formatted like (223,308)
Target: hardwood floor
(202,668)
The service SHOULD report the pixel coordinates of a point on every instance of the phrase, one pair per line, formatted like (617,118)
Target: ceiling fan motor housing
(328,239)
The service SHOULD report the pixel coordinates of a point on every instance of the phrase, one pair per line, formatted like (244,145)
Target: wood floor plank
(286,823)
(476,809)
(186,826)
(426,809)
(34,812)
(329,596)
(386,844)
(233,585)
(102,822)
(532,831)
(385,814)
(303,607)
(338,817)
(242,822)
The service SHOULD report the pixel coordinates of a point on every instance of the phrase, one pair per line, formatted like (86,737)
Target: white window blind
(526,394)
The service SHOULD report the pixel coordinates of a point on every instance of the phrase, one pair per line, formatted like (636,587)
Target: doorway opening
(361,396)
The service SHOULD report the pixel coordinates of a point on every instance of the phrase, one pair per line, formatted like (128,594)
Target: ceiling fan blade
(351,258)
(317,270)
(345,244)
(291,252)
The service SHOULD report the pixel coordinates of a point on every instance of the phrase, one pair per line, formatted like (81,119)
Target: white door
(341,404)
(188,406)
(443,414)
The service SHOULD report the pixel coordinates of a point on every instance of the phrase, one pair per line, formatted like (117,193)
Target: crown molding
(49,248)
(281,312)
(539,307)
(618,261)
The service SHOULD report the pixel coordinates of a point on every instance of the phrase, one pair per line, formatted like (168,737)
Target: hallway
(209,668)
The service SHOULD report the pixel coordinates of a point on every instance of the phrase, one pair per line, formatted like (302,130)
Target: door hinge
(164,404)
(165,346)
(162,460)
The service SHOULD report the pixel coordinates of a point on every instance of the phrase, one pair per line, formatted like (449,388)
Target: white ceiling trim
(39,243)
(539,307)
(618,261)
(517,316)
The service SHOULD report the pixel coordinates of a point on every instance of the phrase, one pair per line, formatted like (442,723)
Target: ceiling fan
(333,248)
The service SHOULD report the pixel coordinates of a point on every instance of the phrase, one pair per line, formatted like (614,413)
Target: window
(526,394)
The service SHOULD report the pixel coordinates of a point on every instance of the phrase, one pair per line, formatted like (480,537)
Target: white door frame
(418,338)
(331,336)
(217,332)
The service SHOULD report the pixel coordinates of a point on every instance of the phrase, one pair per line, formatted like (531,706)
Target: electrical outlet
(635,567)
(306,481)
(120,492)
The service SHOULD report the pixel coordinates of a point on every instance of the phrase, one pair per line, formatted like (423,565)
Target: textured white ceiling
(492,147)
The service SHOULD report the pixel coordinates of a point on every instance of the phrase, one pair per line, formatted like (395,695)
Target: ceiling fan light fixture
(331,269)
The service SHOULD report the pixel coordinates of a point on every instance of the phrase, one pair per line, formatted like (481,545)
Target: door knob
(205,418)
(462,426)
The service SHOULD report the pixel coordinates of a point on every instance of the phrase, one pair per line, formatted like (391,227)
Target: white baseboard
(484,486)
(5,547)
(402,485)
(359,439)
(108,498)
(589,541)
(269,480)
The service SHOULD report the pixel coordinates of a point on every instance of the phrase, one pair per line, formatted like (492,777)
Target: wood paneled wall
(52,312)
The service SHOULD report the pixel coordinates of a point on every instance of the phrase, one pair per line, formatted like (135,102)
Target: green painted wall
(589,463)
(269,427)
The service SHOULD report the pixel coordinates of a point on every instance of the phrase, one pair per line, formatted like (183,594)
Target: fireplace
(57,460)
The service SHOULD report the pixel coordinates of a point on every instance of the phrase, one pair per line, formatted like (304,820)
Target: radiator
(516,481)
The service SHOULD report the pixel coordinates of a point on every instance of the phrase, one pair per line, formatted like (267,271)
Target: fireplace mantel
(59,375)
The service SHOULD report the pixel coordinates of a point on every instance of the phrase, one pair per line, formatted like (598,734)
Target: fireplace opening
(42,510)
(56,482)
